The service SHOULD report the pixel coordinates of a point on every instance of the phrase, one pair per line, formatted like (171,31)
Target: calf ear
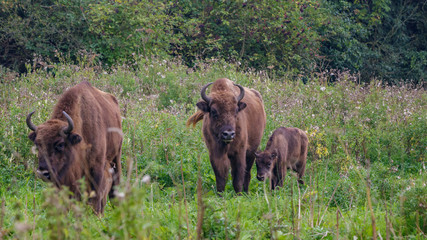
(74,138)
(202,105)
(32,136)
(241,106)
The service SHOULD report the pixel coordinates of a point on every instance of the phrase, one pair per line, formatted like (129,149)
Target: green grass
(367,155)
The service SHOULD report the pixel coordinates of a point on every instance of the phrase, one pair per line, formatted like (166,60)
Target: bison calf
(286,149)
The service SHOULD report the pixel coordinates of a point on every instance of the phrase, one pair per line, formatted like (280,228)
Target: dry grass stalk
(200,208)
(299,212)
(200,204)
(34,210)
(185,202)
(311,204)
(129,173)
(292,209)
(338,225)
(368,195)
(387,227)
(2,213)
(329,202)
(238,230)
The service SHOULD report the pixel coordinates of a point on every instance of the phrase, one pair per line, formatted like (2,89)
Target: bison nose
(43,174)
(228,135)
(261,178)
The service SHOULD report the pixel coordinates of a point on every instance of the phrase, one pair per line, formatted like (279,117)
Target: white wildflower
(146,179)
(119,195)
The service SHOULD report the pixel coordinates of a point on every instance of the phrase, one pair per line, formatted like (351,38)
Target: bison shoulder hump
(114,99)
(257,93)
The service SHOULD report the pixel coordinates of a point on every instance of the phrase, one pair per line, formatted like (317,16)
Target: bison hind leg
(116,174)
(300,169)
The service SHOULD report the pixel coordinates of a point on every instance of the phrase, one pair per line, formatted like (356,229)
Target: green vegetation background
(350,73)
(366,164)
(381,39)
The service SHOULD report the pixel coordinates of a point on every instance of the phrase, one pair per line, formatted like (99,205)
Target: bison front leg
(281,173)
(221,167)
(99,181)
(273,182)
(238,172)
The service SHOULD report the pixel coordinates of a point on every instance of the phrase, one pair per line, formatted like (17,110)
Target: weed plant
(365,178)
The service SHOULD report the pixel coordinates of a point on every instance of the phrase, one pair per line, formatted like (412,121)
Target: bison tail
(195,118)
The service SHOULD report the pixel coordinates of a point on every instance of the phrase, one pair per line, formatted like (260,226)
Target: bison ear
(241,106)
(74,138)
(202,105)
(32,136)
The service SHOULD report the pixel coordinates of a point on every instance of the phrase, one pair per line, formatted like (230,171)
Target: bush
(269,34)
(30,29)
(380,39)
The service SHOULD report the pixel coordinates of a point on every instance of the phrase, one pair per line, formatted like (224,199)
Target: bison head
(222,107)
(54,140)
(265,162)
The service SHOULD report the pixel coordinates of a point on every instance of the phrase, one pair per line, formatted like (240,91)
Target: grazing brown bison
(82,139)
(233,124)
(286,149)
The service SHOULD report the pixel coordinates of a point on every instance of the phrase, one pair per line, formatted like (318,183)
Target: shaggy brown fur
(286,149)
(91,150)
(232,131)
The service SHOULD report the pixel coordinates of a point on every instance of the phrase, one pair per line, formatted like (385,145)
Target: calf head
(222,107)
(55,143)
(265,162)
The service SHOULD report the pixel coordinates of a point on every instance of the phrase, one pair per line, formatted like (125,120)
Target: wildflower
(119,195)
(34,150)
(92,194)
(322,88)
(146,179)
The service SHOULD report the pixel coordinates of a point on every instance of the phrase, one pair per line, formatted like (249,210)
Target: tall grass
(365,176)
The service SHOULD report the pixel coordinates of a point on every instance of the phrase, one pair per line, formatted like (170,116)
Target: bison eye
(59,147)
(214,113)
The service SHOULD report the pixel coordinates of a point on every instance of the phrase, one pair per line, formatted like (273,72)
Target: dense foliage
(383,39)
(366,170)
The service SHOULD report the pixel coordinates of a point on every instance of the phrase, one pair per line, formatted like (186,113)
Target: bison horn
(203,93)
(29,123)
(242,93)
(70,123)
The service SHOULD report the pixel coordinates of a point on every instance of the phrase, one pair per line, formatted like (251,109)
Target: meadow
(365,177)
